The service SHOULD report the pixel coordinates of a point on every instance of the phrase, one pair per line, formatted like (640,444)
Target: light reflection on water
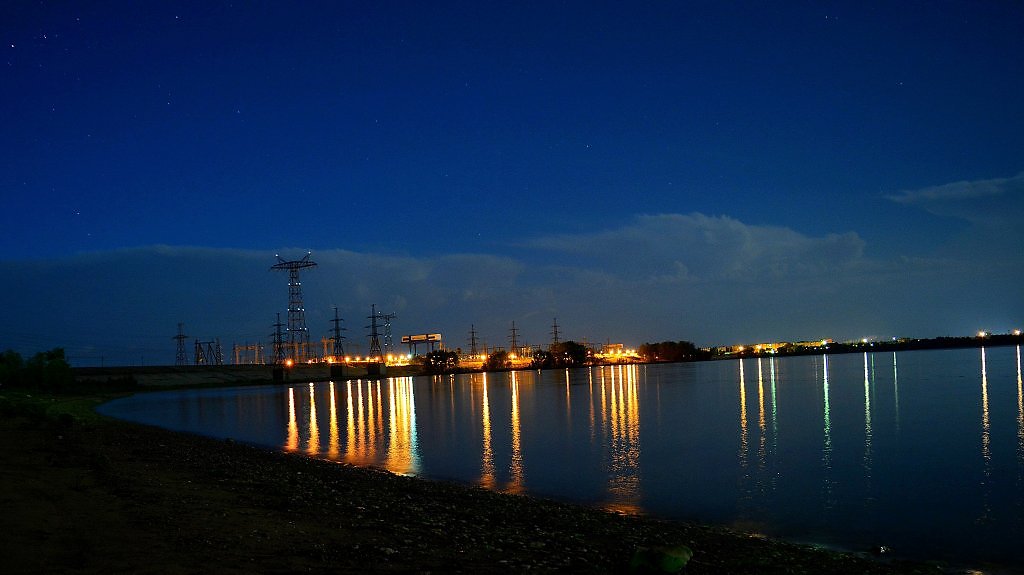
(620,420)
(986,446)
(515,465)
(1020,431)
(487,466)
(826,449)
(936,440)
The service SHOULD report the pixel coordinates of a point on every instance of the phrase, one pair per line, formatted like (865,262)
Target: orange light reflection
(292,443)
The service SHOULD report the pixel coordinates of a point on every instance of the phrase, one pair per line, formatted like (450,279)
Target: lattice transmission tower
(278,338)
(182,356)
(472,340)
(514,338)
(374,334)
(337,348)
(209,352)
(298,334)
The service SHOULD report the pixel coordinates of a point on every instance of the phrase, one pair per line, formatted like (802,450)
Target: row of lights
(984,333)
(391,358)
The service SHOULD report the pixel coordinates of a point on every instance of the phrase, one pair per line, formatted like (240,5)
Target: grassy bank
(85,494)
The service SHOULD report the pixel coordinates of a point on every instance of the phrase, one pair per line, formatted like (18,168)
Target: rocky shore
(83,494)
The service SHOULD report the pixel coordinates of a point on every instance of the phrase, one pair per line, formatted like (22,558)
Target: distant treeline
(671,351)
(994,340)
(46,371)
(905,344)
(49,371)
(562,354)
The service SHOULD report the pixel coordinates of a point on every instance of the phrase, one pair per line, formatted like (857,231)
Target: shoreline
(152,377)
(90,494)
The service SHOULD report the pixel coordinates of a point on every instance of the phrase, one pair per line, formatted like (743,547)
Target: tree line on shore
(562,354)
(46,370)
(573,354)
(566,354)
(672,351)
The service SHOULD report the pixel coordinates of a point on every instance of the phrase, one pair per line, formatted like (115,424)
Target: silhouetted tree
(11,366)
(569,354)
(441,361)
(669,351)
(47,370)
(497,360)
(562,354)
(542,359)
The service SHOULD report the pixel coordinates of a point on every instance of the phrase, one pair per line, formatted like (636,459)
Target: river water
(920,451)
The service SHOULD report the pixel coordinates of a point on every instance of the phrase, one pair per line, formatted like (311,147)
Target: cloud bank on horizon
(714,280)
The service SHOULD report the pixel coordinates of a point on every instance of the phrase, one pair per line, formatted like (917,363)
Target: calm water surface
(920,451)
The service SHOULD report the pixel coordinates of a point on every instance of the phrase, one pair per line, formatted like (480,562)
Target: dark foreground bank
(83,494)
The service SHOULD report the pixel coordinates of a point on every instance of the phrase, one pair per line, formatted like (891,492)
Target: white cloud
(962,190)
(697,247)
(992,206)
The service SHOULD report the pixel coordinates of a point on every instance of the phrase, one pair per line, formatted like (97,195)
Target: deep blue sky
(718,172)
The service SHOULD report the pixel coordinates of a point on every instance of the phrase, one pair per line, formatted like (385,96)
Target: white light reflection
(826,449)
(896,390)
(762,424)
(986,445)
(744,446)
(767,450)
(1020,413)
(867,421)
(1020,429)
(593,428)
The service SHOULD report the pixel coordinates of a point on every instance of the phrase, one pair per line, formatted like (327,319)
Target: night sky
(716,172)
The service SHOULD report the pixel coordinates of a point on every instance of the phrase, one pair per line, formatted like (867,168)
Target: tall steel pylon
(374,334)
(514,337)
(374,327)
(337,348)
(472,339)
(298,334)
(554,332)
(278,337)
(182,357)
